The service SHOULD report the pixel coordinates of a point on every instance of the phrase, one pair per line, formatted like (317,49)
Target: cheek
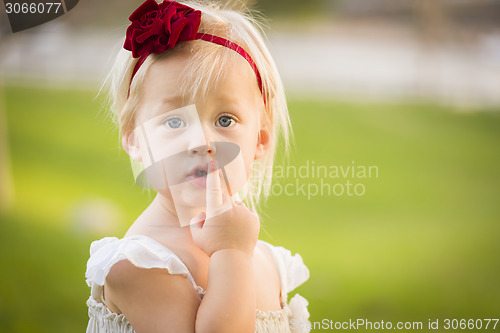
(161,145)
(248,146)
(235,153)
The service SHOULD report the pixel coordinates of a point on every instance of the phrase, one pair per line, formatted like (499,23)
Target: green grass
(421,243)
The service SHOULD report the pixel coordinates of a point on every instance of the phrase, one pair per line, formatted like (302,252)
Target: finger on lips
(213,190)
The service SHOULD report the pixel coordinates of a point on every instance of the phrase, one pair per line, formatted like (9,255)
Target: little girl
(200,108)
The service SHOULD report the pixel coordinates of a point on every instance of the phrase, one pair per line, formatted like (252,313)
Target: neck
(165,211)
(174,215)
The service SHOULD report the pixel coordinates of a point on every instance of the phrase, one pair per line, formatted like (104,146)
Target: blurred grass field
(421,243)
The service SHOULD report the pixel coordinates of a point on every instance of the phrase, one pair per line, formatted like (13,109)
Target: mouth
(198,176)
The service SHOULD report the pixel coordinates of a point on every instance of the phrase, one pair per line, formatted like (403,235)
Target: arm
(228,234)
(152,299)
(229,304)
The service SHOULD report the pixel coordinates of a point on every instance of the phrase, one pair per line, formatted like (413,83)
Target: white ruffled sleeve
(141,251)
(293,272)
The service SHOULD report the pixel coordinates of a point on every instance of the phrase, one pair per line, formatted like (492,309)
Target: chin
(192,198)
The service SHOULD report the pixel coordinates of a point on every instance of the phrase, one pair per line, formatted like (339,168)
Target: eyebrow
(159,108)
(227,96)
(171,99)
(229,100)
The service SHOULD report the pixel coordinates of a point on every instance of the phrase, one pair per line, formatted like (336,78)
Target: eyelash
(233,118)
(230,116)
(183,124)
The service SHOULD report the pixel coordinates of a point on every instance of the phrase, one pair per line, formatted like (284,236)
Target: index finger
(213,190)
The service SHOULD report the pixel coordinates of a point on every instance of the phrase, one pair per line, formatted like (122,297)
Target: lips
(198,176)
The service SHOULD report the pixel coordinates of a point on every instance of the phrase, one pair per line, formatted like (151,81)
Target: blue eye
(224,121)
(175,123)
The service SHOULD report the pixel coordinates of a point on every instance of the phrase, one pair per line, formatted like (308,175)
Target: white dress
(145,252)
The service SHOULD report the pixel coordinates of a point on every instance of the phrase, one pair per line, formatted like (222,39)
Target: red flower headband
(157,27)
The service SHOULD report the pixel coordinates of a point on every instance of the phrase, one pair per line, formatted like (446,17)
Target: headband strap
(157,27)
(234,47)
(220,41)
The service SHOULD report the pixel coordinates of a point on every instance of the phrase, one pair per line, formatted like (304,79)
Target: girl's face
(175,141)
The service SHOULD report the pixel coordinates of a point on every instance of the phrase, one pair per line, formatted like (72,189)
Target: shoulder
(127,280)
(293,272)
(125,276)
(131,287)
(291,268)
(141,251)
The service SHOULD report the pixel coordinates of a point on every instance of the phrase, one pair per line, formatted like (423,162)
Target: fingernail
(198,218)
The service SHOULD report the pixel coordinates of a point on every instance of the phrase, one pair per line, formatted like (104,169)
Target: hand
(224,225)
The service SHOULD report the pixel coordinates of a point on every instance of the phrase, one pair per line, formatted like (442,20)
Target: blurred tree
(432,21)
(98,13)
(6,188)
(294,8)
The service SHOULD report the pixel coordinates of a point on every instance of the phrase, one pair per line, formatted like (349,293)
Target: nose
(209,148)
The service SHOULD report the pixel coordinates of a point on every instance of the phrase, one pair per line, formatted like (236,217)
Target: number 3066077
(32,8)
(477,324)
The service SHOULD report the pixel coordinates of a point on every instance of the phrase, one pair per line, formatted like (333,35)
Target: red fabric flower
(159,27)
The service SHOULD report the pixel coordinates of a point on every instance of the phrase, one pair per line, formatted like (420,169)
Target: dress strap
(102,298)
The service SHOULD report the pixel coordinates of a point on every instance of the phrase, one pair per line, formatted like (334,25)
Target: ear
(131,145)
(263,142)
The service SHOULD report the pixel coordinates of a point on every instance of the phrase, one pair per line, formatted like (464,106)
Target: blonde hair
(203,70)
